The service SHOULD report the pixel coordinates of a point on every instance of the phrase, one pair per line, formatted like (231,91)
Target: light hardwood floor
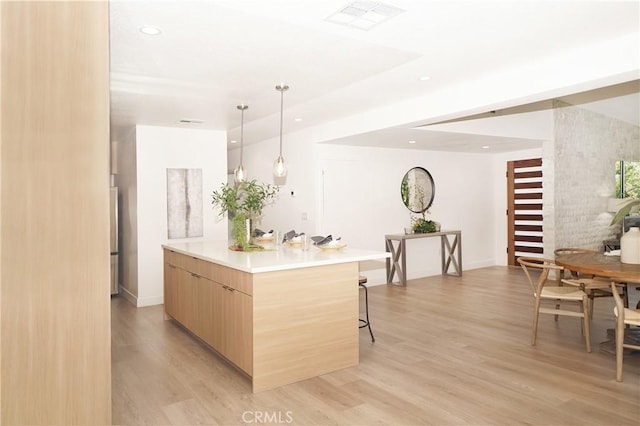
(448,351)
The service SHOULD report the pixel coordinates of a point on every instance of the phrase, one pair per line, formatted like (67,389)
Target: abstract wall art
(184,203)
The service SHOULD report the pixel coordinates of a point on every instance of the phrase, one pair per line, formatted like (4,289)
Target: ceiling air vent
(191,121)
(364,15)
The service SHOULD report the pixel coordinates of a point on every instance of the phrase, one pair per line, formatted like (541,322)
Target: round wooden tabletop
(600,264)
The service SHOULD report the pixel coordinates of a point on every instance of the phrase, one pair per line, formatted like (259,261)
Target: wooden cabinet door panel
(205,293)
(217,324)
(185,284)
(238,328)
(170,289)
(191,302)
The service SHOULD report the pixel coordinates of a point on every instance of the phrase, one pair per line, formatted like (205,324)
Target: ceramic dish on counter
(293,243)
(333,245)
(328,242)
(265,238)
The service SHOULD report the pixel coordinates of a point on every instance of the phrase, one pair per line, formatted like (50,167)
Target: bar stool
(365,322)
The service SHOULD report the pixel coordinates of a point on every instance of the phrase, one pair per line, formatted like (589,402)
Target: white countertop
(274,258)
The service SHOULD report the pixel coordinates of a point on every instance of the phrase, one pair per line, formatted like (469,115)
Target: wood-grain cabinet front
(213,302)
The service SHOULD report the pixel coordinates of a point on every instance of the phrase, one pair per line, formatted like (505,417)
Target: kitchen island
(279,315)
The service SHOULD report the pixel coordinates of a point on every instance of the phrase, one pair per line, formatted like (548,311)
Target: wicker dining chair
(593,286)
(547,291)
(624,317)
(567,273)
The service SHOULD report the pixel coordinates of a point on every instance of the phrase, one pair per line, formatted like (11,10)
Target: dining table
(600,264)
(610,266)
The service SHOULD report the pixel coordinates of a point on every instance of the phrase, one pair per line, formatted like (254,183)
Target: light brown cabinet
(55,308)
(236,334)
(203,299)
(278,326)
(170,290)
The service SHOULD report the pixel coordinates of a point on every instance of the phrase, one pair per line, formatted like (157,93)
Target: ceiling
(364,87)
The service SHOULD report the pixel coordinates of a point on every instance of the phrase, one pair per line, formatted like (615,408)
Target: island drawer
(233,278)
(188,263)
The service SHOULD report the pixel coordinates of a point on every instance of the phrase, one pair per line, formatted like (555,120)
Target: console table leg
(389,249)
(403,272)
(397,263)
(443,238)
(452,249)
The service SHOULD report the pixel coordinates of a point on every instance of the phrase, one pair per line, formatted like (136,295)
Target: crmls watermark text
(282,417)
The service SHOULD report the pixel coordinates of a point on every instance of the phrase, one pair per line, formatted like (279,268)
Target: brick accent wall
(579,169)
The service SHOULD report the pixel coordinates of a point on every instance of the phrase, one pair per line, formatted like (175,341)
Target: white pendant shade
(279,168)
(239,174)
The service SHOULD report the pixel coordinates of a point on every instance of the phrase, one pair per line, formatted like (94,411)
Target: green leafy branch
(246,198)
(625,210)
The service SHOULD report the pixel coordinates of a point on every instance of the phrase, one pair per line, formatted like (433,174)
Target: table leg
(459,240)
(403,272)
(393,264)
(388,247)
(443,238)
(453,250)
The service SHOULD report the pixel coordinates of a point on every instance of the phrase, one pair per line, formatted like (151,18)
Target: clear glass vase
(241,232)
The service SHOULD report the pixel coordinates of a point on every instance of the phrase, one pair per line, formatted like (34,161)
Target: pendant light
(239,173)
(279,168)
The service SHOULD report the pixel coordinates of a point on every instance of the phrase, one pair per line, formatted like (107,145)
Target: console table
(451,253)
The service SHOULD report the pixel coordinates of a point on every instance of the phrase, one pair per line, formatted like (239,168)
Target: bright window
(628,179)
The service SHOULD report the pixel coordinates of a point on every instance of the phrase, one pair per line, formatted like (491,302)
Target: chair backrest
(619,310)
(571,250)
(544,266)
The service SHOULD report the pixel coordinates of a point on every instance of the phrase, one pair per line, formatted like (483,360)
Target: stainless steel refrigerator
(113,209)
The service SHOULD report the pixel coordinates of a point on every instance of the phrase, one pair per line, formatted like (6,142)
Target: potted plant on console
(421,225)
(243,202)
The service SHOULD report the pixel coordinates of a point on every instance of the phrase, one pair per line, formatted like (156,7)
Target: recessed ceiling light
(149,30)
(233,141)
(485,147)
(412,141)
(424,78)
(297,119)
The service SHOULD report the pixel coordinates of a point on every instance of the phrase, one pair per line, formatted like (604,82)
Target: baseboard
(130,297)
(140,302)
(149,301)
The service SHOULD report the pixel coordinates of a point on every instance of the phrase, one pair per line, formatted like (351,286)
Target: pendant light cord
(241,133)
(281,88)
(281,114)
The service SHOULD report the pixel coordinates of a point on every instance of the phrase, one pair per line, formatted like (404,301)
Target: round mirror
(417,190)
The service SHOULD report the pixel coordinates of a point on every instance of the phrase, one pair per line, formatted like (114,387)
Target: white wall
(463,194)
(301,159)
(156,149)
(126,180)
